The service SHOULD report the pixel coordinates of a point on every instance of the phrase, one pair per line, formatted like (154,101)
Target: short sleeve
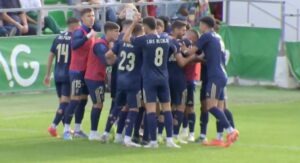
(54,45)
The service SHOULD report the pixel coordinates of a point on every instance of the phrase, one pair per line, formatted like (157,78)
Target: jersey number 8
(158,60)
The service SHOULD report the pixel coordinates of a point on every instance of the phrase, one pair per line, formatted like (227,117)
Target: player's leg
(79,113)
(63,92)
(213,93)
(204,116)
(76,80)
(134,102)
(138,124)
(179,103)
(164,98)
(121,101)
(150,96)
(191,115)
(226,110)
(96,89)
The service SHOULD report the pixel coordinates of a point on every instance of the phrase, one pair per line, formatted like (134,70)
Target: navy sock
(152,125)
(168,123)
(130,121)
(185,121)
(138,122)
(160,124)
(229,117)
(204,116)
(178,117)
(79,113)
(60,113)
(113,116)
(121,122)
(112,106)
(220,116)
(95,116)
(73,105)
(220,128)
(192,121)
(146,128)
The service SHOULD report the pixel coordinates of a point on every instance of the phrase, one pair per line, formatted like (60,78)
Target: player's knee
(161,118)
(60,111)
(83,97)
(76,98)
(64,99)
(98,105)
(125,109)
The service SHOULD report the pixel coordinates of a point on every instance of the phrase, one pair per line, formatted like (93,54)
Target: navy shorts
(78,86)
(214,89)
(178,92)
(130,97)
(63,89)
(156,90)
(96,90)
(191,87)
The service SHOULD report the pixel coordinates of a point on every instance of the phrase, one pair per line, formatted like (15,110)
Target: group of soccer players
(152,80)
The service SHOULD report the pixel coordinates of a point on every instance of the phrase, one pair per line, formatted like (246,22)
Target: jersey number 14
(62,49)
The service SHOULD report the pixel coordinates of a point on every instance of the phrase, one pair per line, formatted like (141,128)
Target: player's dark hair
(195,32)
(111,26)
(160,23)
(209,21)
(178,24)
(72,20)
(138,29)
(150,22)
(166,21)
(85,10)
(126,23)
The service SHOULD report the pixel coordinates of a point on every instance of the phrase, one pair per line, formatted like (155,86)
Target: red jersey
(80,55)
(191,72)
(95,70)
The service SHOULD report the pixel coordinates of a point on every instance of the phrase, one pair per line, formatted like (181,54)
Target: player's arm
(47,78)
(128,33)
(100,50)
(110,57)
(79,38)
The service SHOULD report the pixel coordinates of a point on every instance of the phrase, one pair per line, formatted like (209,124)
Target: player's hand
(137,17)
(92,34)
(47,81)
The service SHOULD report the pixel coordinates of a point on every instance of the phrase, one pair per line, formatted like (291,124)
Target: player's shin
(59,114)
(131,119)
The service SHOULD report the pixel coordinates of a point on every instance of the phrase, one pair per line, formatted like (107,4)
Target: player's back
(155,50)
(213,56)
(129,67)
(62,49)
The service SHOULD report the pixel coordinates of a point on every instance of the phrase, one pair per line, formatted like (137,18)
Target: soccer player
(216,74)
(155,76)
(129,82)
(61,52)
(115,112)
(177,79)
(96,73)
(82,41)
(190,72)
(223,104)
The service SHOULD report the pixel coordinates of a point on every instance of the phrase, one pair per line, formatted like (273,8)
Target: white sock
(159,135)
(118,136)
(93,132)
(202,136)
(153,142)
(169,139)
(77,127)
(127,139)
(192,134)
(53,126)
(220,136)
(184,130)
(105,133)
(229,130)
(67,128)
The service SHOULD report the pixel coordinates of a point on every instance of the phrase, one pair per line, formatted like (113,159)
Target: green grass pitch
(268,120)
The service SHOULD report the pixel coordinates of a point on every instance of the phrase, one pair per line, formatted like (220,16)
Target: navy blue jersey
(61,48)
(129,67)
(210,44)
(155,50)
(175,71)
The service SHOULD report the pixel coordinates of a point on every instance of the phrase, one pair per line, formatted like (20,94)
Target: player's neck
(152,32)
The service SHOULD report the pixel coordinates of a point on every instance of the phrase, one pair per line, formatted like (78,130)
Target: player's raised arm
(49,67)
(128,33)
